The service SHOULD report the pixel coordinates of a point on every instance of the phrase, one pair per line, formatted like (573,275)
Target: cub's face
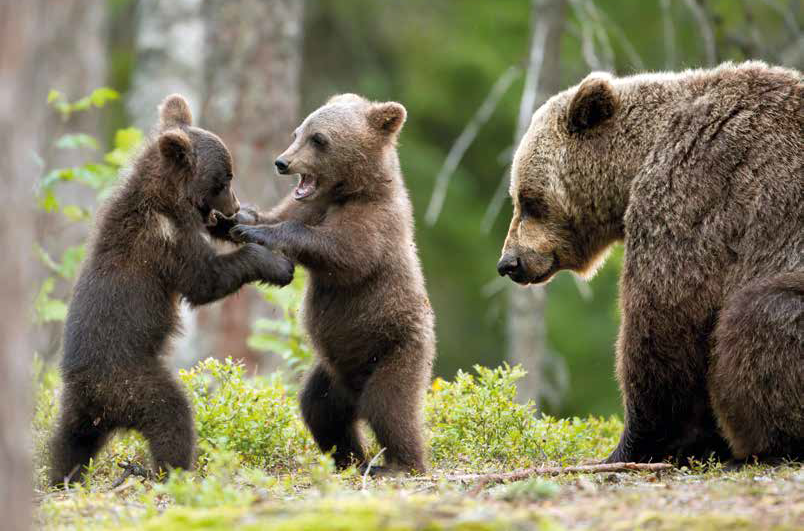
(211,185)
(199,159)
(552,225)
(335,148)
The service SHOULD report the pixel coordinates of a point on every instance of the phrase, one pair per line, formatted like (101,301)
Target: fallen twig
(485,479)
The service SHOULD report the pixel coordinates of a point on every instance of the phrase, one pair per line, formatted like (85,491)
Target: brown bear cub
(150,250)
(701,175)
(349,222)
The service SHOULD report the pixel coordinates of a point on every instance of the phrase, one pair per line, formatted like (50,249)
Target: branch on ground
(484,479)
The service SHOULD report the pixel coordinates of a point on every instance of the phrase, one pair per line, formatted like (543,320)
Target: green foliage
(476,421)
(533,489)
(254,418)
(97,176)
(284,334)
(98,98)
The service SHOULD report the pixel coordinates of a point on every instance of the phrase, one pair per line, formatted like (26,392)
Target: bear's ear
(593,103)
(175,147)
(175,112)
(387,117)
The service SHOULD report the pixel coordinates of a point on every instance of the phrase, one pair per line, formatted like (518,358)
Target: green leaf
(48,202)
(101,95)
(71,261)
(52,310)
(267,343)
(81,105)
(126,141)
(48,309)
(54,95)
(46,259)
(77,141)
(75,213)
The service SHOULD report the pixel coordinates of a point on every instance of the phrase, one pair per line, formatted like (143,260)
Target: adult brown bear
(701,175)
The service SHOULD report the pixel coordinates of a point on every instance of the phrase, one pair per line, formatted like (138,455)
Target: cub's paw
(272,267)
(250,234)
(219,226)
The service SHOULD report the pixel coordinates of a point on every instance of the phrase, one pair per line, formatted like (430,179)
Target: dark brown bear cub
(150,250)
(349,222)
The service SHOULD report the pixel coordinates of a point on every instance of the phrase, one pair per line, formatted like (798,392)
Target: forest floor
(756,497)
(258,469)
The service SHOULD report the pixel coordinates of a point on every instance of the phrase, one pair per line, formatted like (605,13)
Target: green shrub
(256,417)
(284,335)
(477,423)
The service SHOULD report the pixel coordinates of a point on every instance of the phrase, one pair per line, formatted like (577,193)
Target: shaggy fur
(349,222)
(701,174)
(150,250)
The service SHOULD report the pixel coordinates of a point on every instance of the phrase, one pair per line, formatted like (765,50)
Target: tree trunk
(169,57)
(169,47)
(526,327)
(71,58)
(21,117)
(251,100)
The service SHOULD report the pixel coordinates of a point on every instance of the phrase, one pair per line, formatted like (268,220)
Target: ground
(258,469)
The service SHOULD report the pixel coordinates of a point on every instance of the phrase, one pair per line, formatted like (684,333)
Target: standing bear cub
(701,174)
(150,250)
(349,223)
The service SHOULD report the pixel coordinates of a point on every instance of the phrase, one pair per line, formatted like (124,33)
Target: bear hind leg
(757,371)
(393,405)
(165,420)
(330,413)
(78,438)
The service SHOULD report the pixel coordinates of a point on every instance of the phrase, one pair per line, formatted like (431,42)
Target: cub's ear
(593,103)
(387,117)
(175,112)
(175,147)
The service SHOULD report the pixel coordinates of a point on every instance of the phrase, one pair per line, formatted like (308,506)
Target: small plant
(254,418)
(476,422)
(99,176)
(284,335)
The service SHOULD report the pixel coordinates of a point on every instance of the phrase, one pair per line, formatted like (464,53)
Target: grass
(259,469)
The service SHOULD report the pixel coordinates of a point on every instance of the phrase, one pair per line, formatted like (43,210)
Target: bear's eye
(532,207)
(318,140)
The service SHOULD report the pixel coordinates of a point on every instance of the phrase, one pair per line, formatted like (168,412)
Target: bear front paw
(249,234)
(271,267)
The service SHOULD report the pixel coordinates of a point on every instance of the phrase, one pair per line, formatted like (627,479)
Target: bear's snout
(281,165)
(509,265)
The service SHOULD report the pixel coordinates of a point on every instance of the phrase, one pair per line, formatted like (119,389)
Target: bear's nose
(281,165)
(508,265)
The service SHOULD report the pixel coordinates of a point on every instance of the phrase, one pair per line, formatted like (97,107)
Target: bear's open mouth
(306,187)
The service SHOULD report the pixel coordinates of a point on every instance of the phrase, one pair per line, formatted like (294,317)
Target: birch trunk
(251,100)
(169,47)
(21,119)
(526,327)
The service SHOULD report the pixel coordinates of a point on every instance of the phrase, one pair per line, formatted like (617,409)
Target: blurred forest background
(470,73)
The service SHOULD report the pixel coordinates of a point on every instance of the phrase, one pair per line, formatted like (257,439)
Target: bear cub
(349,222)
(150,250)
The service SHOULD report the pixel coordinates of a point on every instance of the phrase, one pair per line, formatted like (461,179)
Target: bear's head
(198,160)
(344,147)
(566,184)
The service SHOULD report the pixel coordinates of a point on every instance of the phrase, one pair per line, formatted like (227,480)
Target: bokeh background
(468,70)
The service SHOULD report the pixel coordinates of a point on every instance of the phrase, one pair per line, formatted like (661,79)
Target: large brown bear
(701,174)
(349,222)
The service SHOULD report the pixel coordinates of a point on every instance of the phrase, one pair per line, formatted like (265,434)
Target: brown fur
(150,250)
(701,174)
(366,307)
